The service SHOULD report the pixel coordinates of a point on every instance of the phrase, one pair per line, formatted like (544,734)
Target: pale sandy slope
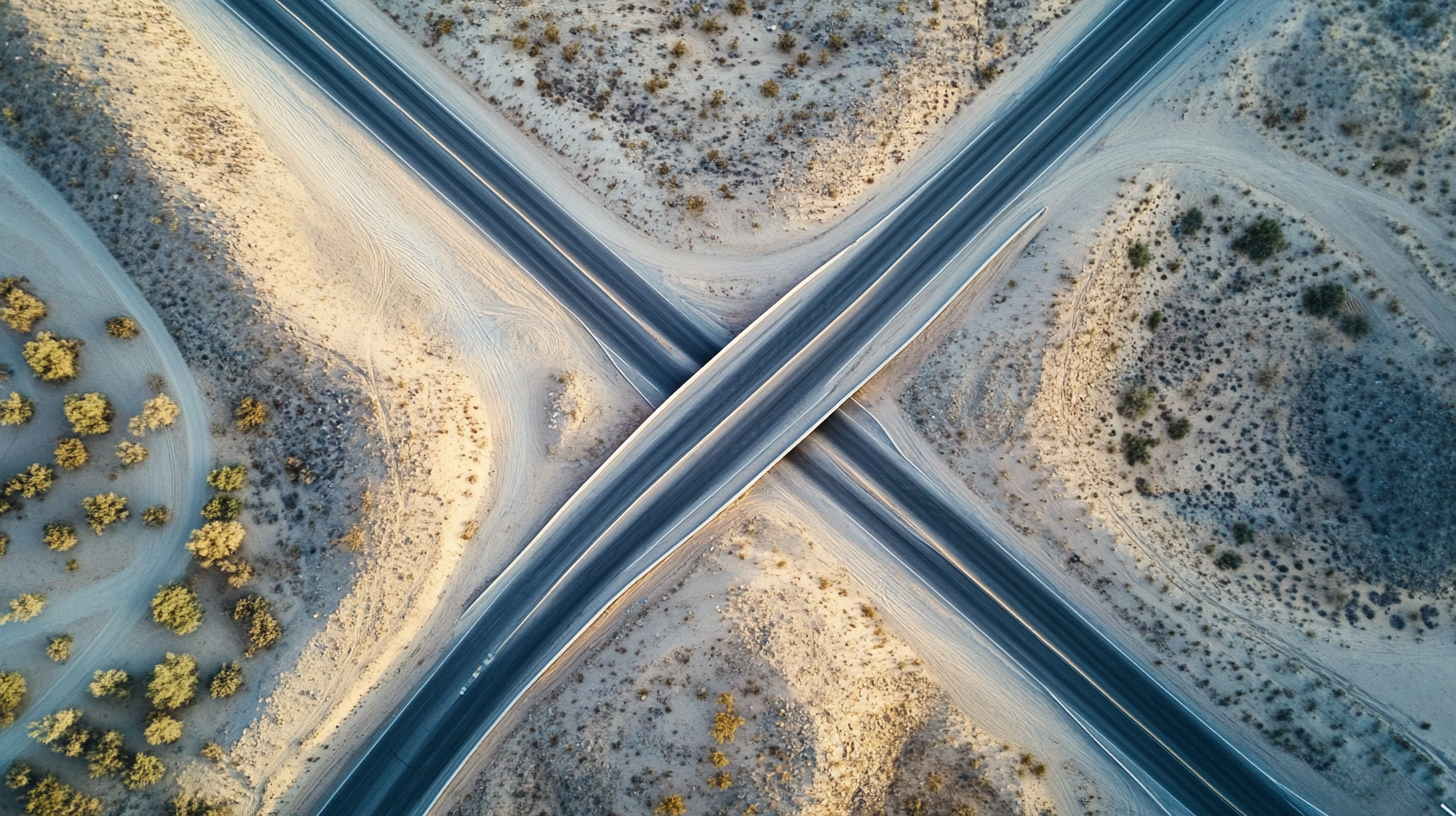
(82,284)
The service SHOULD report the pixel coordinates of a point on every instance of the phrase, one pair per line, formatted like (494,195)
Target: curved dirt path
(69,267)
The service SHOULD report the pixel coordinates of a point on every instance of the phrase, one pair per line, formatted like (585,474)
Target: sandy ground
(1326,651)
(839,715)
(345,300)
(709,158)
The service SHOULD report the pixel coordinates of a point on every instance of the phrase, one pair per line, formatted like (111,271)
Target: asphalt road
(692,447)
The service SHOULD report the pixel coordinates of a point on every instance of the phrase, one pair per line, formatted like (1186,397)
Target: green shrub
(174,682)
(123,328)
(21,310)
(228,479)
(89,414)
(1262,240)
(1243,533)
(1137,449)
(1190,222)
(33,482)
(1355,326)
(12,692)
(1324,300)
(162,729)
(1155,320)
(222,507)
(111,683)
(62,731)
(60,536)
(71,454)
(176,607)
(59,649)
(227,681)
(1180,428)
(104,510)
(670,806)
(1136,402)
(1228,560)
(16,410)
(53,359)
(1139,255)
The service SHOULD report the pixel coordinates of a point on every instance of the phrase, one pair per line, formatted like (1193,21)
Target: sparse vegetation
(227,681)
(53,359)
(1138,449)
(670,806)
(24,608)
(12,693)
(1228,560)
(725,726)
(263,629)
(104,510)
(174,682)
(176,607)
(769,89)
(1155,320)
(1324,300)
(250,414)
(1136,402)
(52,797)
(123,328)
(1139,255)
(1262,240)
(156,515)
(222,507)
(1354,326)
(1190,222)
(16,409)
(1180,428)
(197,804)
(89,414)
(59,649)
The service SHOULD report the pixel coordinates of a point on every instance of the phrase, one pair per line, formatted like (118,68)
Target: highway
(653,489)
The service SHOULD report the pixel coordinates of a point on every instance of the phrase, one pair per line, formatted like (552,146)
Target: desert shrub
(786,42)
(769,89)
(212,751)
(24,607)
(250,414)
(62,732)
(1355,326)
(52,797)
(721,780)
(34,481)
(4,544)
(196,804)
(238,570)
(215,541)
(59,536)
(263,629)
(725,726)
(156,515)
(22,309)
(174,682)
(1243,533)
(227,681)
(16,409)
(1180,428)
(1155,320)
(104,510)
(670,806)
(130,453)
(697,204)
(53,359)
(162,729)
(570,51)
(679,49)
(104,758)
(1262,240)
(71,454)
(12,692)
(1190,222)
(1136,402)
(17,776)
(717,759)
(654,84)
(158,412)
(59,648)
(222,507)
(1138,449)
(111,683)
(1139,255)
(176,607)
(123,328)
(989,72)
(228,479)
(1324,300)
(89,414)
(1228,560)
(712,26)
(146,770)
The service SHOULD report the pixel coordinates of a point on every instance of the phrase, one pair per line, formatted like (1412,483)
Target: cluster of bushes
(1327,300)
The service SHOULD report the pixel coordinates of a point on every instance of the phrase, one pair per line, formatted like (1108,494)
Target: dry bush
(176,607)
(222,507)
(12,692)
(238,570)
(25,607)
(53,359)
(158,412)
(215,541)
(228,479)
(263,629)
(227,681)
(89,414)
(16,409)
(59,649)
(146,770)
(131,453)
(111,683)
(60,536)
(197,804)
(52,797)
(162,729)
(156,515)
(123,328)
(21,310)
(250,414)
(104,510)
(104,758)
(71,454)
(174,682)
(62,732)
(31,483)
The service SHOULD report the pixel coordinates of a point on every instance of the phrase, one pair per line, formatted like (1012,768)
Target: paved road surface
(417,741)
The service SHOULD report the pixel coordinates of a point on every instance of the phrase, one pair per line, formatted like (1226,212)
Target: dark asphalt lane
(964,563)
(439,726)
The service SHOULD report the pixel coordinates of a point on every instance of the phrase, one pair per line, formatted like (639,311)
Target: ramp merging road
(748,407)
